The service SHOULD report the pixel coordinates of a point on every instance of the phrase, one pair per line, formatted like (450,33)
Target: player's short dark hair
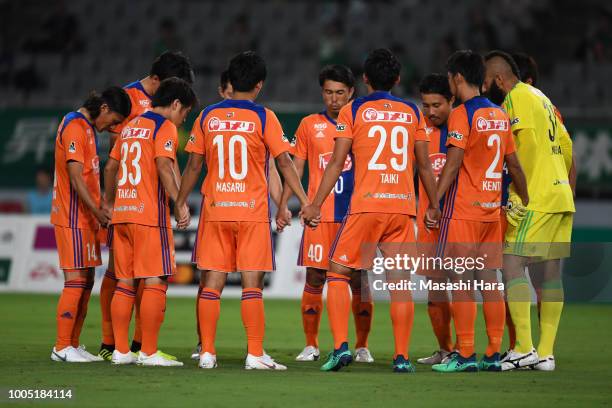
(172,64)
(337,73)
(507,58)
(114,97)
(436,84)
(382,69)
(224,80)
(527,67)
(171,89)
(246,70)
(469,64)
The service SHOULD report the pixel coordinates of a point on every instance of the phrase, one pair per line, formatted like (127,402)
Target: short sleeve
(73,140)
(115,151)
(344,124)
(520,113)
(274,137)
(301,141)
(458,128)
(166,141)
(195,144)
(421,134)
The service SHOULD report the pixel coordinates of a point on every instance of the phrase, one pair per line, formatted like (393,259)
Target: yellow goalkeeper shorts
(540,235)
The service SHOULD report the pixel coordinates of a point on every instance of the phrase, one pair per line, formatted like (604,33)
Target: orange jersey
(437,157)
(236,137)
(482,130)
(315,143)
(141,102)
(140,197)
(383,129)
(76,140)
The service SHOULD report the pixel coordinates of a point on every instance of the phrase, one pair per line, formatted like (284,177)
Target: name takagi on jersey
(217,125)
(373,115)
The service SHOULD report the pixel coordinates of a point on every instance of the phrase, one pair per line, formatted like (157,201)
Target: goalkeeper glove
(515,212)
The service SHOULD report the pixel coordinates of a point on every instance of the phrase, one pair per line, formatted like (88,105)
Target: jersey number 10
(235,141)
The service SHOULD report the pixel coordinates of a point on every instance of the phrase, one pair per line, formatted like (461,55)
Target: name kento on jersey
(488,185)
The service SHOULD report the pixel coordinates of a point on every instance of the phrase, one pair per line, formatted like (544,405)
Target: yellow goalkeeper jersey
(539,136)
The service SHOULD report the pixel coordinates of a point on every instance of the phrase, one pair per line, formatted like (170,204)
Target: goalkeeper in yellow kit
(539,234)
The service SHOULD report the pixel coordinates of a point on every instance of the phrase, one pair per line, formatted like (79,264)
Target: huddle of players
(361,196)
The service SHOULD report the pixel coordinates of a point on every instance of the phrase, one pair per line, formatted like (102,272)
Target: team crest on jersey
(373,115)
(215,124)
(483,125)
(455,135)
(229,115)
(325,157)
(72,148)
(320,126)
(168,146)
(387,105)
(135,133)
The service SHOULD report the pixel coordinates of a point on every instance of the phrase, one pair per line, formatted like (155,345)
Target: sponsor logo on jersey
(320,126)
(483,125)
(95,164)
(192,138)
(289,139)
(168,146)
(135,133)
(437,162)
(455,135)
(144,103)
(428,130)
(72,148)
(340,127)
(215,124)
(373,115)
(324,159)
(514,121)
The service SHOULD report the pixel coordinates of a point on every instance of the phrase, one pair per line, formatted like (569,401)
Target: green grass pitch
(583,376)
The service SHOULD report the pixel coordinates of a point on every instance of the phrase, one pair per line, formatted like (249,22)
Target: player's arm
(568,157)
(287,168)
(165,170)
(283,216)
(75,173)
(421,150)
(342,147)
(110,183)
(190,177)
(454,159)
(276,185)
(519,181)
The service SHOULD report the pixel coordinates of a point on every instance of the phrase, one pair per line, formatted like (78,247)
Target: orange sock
(152,310)
(81,314)
(197,304)
(106,296)
(338,306)
(121,313)
(440,317)
(464,317)
(312,305)
(137,323)
(209,307)
(495,320)
(402,317)
(362,313)
(253,319)
(67,310)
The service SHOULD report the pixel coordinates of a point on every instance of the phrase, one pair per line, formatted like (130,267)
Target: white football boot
(310,353)
(436,358)
(157,359)
(69,355)
(363,355)
(119,358)
(545,364)
(515,360)
(264,362)
(196,352)
(207,360)
(88,355)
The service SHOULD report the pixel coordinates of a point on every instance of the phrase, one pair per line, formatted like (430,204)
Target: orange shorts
(362,233)
(234,246)
(427,242)
(77,248)
(142,251)
(474,239)
(105,236)
(316,244)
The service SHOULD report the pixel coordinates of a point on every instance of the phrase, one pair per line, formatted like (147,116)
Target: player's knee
(315,277)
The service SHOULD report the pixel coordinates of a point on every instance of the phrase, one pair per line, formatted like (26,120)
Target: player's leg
(209,308)
(550,313)
(439,311)
(80,318)
(137,339)
(107,288)
(312,307)
(198,349)
(362,307)
(494,310)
